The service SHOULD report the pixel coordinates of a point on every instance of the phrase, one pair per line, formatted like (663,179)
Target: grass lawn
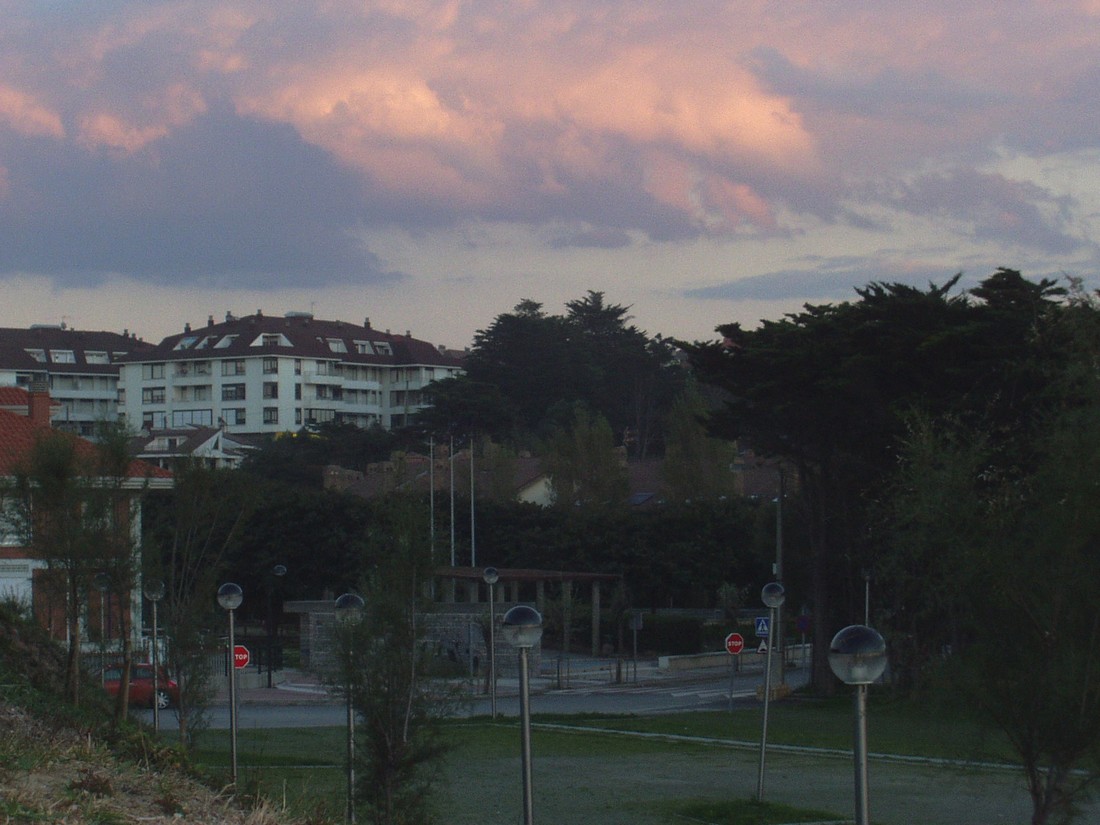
(588,776)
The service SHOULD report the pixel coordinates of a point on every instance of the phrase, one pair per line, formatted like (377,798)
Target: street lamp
(523,626)
(230,597)
(154,592)
(773,596)
(277,572)
(491,576)
(857,655)
(349,608)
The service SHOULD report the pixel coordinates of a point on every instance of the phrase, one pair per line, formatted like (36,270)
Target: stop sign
(735,643)
(241,656)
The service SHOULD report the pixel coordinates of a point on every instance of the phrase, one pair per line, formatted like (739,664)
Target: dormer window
(227,341)
(337,345)
(96,357)
(186,342)
(363,348)
(62,356)
(38,355)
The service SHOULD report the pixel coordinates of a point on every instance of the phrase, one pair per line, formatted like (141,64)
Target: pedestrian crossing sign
(762,626)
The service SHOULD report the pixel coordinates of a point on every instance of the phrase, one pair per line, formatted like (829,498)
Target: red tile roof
(18,435)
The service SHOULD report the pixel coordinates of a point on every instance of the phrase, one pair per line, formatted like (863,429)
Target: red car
(141,685)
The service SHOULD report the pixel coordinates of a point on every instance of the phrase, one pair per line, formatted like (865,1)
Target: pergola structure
(466,585)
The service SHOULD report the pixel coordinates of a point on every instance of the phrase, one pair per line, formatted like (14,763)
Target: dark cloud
(997,208)
(886,92)
(832,280)
(226,201)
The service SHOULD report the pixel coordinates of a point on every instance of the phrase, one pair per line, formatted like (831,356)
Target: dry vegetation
(62,766)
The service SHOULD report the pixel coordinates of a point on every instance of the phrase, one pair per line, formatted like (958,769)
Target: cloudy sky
(430,163)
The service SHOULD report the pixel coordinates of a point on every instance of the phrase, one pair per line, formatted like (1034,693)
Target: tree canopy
(528,369)
(830,389)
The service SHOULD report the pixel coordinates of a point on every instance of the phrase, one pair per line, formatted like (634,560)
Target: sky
(431,163)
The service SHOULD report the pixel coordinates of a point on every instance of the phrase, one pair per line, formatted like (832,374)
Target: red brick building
(25,416)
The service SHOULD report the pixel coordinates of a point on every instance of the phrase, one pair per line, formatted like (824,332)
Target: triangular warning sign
(763,647)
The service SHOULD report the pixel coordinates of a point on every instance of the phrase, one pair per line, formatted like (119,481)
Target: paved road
(308,704)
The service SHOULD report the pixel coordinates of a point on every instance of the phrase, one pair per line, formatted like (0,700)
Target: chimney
(38,403)
(210,321)
(187,326)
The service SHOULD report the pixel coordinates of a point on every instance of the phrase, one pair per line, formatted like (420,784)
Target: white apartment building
(260,374)
(80,368)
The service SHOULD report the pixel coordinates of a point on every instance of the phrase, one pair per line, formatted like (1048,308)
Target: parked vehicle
(141,685)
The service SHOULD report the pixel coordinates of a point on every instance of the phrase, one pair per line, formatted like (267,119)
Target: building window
(383,348)
(62,356)
(93,357)
(234,417)
(271,389)
(363,348)
(297,392)
(298,416)
(297,366)
(121,396)
(233,366)
(314,416)
(202,393)
(152,395)
(271,365)
(271,415)
(337,345)
(197,418)
(38,355)
(152,371)
(227,341)
(233,392)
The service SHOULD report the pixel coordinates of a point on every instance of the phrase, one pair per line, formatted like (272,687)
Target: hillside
(58,765)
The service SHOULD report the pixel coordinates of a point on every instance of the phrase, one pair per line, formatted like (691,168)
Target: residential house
(212,447)
(265,375)
(79,367)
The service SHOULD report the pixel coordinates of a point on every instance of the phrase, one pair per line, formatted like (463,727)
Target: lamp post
(773,596)
(857,655)
(491,576)
(349,608)
(277,572)
(230,597)
(523,626)
(154,592)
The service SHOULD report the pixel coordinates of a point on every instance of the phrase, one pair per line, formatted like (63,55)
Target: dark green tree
(1009,556)
(528,367)
(191,534)
(585,468)
(399,708)
(829,389)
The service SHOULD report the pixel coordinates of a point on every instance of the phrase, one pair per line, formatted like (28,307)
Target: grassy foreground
(303,771)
